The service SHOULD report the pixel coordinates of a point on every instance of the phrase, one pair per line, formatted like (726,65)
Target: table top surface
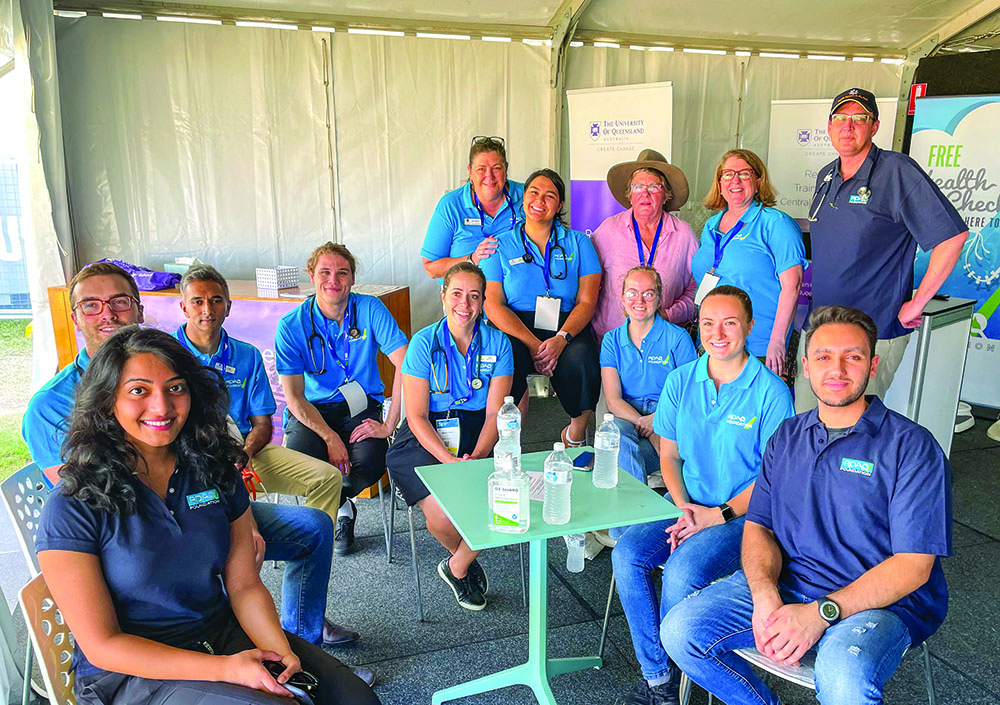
(466,502)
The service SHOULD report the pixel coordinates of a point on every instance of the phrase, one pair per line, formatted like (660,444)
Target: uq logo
(858,467)
(737,420)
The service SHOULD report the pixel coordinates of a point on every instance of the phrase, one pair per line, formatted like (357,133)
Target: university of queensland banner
(608,126)
(955,140)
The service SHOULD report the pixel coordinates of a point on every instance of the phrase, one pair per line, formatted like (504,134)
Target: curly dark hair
(100,462)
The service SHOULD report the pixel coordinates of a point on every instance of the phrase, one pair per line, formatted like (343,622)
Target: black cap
(866,99)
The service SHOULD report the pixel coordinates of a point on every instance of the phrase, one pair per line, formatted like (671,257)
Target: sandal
(564,436)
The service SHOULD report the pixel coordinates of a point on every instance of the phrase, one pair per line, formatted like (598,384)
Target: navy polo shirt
(839,508)
(162,564)
(863,253)
(457,226)
(720,435)
(46,419)
(572,255)
(377,329)
(242,368)
(642,371)
(426,358)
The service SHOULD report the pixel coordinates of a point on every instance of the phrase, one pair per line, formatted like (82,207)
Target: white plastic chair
(51,640)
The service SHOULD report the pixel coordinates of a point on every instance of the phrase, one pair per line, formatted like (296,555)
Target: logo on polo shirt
(737,420)
(858,467)
(236,383)
(658,359)
(202,499)
(363,336)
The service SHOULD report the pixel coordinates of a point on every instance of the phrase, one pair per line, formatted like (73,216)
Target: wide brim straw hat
(619,175)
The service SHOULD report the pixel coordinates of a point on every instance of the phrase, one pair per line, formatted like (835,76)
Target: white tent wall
(199,140)
(706,93)
(406,110)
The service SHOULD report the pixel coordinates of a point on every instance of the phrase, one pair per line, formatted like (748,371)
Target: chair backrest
(51,639)
(24,495)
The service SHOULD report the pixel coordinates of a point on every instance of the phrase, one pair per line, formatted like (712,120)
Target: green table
(466,504)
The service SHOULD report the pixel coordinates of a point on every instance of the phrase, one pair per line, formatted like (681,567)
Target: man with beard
(841,550)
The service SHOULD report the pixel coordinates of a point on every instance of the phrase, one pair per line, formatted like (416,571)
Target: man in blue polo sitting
(841,550)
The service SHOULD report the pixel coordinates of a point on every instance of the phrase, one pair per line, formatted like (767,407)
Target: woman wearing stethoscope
(753,246)
(467,221)
(455,376)
(541,291)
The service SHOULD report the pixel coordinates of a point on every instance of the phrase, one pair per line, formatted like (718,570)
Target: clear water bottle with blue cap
(509,416)
(607,441)
(558,486)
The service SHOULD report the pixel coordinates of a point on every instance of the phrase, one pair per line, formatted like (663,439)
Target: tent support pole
(563,25)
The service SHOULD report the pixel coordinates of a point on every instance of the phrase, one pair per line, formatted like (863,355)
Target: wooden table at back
(254,319)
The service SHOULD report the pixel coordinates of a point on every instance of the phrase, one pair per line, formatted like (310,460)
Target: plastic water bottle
(606,443)
(509,416)
(507,488)
(558,483)
(574,553)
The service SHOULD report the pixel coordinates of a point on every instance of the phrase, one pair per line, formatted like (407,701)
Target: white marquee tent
(248,144)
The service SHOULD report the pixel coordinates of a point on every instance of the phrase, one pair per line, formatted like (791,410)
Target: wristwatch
(566,335)
(727,512)
(828,610)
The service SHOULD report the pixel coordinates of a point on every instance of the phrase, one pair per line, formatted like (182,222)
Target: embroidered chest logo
(202,499)
(658,359)
(858,467)
(737,420)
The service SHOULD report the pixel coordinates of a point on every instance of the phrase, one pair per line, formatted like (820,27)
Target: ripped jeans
(854,658)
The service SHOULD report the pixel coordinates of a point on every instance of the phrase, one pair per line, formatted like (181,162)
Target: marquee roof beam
(959,23)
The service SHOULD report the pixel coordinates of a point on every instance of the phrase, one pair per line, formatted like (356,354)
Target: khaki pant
(287,471)
(890,354)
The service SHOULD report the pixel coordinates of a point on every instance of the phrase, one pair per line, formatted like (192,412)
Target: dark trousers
(577,377)
(337,683)
(367,456)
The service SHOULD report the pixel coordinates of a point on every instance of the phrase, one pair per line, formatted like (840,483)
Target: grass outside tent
(15,390)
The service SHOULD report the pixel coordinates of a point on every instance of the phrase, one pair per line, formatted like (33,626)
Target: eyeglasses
(744,174)
(857,119)
(94,307)
(651,189)
(647,295)
(488,141)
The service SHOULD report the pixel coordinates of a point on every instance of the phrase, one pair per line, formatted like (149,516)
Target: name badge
(450,433)
(355,396)
(202,499)
(487,358)
(516,261)
(228,369)
(547,312)
(708,282)
(473,221)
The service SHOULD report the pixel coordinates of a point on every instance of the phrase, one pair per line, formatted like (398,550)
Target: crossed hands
(783,632)
(546,354)
(696,518)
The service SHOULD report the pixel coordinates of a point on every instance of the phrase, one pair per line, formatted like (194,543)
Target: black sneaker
(478,577)
(646,694)
(468,596)
(343,540)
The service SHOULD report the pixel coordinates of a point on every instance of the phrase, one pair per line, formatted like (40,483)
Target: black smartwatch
(727,512)
(565,335)
(828,610)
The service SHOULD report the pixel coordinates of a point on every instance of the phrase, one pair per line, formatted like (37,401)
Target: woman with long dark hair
(146,544)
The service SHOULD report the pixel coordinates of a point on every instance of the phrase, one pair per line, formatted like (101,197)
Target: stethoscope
(350,320)
(482,213)
(551,245)
(864,193)
(475,348)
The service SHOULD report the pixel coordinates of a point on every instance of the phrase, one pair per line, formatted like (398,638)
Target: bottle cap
(558,447)
(609,417)
(508,400)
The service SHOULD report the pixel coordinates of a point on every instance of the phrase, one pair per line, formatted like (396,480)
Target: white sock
(346,510)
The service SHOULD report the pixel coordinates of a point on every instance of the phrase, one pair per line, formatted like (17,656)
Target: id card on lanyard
(450,433)
(711,279)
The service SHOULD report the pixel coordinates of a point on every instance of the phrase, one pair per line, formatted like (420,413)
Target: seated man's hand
(370,428)
(763,607)
(337,452)
(644,425)
(793,630)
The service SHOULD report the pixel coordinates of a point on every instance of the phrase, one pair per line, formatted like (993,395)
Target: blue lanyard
(334,342)
(221,365)
(638,242)
(470,356)
(482,213)
(546,260)
(720,246)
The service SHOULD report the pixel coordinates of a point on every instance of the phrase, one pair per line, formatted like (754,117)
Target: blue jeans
(303,538)
(854,658)
(636,455)
(707,556)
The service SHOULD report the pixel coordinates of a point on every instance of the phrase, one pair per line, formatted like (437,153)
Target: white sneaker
(994,431)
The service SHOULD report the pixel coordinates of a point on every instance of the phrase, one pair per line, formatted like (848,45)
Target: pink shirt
(615,244)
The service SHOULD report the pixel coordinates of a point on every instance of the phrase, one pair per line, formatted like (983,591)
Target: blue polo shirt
(242,368)
(572,255)
(162,564)
(721,435)
(457,226)
(769,243)
(46,419)
(378,331)
(433,355)
(863,253)
(642,371)
(839,508)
